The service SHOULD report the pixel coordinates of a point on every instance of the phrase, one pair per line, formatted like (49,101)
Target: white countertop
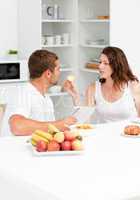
(109,168)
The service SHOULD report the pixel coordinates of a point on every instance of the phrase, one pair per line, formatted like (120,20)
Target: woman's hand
(71,89)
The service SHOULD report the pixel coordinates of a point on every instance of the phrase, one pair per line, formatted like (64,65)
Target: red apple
(66,145)
(53,146)
(41,146)
(77,145)
(69,136)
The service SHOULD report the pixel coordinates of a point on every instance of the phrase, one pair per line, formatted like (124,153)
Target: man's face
(55,74)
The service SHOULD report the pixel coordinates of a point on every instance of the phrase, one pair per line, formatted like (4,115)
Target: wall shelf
(57,21)
(89,70)
(57,46)
(95,21)
(93,46)
(58,94)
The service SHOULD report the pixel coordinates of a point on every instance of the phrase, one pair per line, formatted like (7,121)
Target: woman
(116,96)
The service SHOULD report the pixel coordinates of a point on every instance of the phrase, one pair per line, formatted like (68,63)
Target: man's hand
(70,121)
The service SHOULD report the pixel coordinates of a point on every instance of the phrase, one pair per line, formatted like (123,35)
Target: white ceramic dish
(55,153)
(135,120)
(84,132)
(55,89)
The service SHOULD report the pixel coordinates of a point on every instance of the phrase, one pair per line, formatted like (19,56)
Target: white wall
(8,25)
(125,29)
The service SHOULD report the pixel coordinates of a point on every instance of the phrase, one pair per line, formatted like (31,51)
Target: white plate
(135,120)
(55,153)
(84,132)
(130,136)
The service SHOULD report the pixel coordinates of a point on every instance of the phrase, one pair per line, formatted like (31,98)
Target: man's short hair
(40,61)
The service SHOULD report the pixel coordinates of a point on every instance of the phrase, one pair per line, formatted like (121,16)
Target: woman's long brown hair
(122,73)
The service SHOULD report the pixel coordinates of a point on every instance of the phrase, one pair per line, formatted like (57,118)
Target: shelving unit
(86,24)
(61,24)
(94,30)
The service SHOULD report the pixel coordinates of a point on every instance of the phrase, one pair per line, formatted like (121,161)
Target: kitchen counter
(108,169)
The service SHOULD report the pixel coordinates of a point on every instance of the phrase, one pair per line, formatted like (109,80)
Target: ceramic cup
(65,38)
(55,89)
(58,39)
(49,40)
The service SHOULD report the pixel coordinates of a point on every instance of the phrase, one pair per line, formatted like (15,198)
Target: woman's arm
(135,86)
(90,95)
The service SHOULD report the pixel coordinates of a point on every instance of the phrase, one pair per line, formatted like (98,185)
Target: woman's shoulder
(135,86)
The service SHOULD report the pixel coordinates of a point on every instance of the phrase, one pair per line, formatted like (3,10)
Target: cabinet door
(29,26)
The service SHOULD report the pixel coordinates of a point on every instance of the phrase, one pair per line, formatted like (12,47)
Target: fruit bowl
(55,142)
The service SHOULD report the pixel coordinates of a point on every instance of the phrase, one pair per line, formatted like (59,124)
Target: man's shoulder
(27,87)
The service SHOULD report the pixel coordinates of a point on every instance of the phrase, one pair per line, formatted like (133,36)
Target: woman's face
(104,67)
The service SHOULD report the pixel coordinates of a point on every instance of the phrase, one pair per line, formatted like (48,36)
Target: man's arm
(22,126)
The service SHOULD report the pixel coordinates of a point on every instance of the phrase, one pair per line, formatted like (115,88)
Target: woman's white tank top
(121,109)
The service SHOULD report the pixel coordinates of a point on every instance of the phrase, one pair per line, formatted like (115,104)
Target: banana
(36,138)
(33,142)
(52,129)
(44,134)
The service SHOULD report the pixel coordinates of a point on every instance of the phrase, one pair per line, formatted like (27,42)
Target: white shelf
(90,70)
(57,21)
(95,20)
(58,94)
(93,46)
(66,69)
(60,45)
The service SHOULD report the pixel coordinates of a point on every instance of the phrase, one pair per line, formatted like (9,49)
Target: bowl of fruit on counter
(56,142)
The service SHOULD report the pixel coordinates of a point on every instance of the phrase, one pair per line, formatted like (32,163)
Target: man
(33,108)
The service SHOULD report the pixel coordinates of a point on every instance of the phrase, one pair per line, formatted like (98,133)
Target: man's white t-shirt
(30,103)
